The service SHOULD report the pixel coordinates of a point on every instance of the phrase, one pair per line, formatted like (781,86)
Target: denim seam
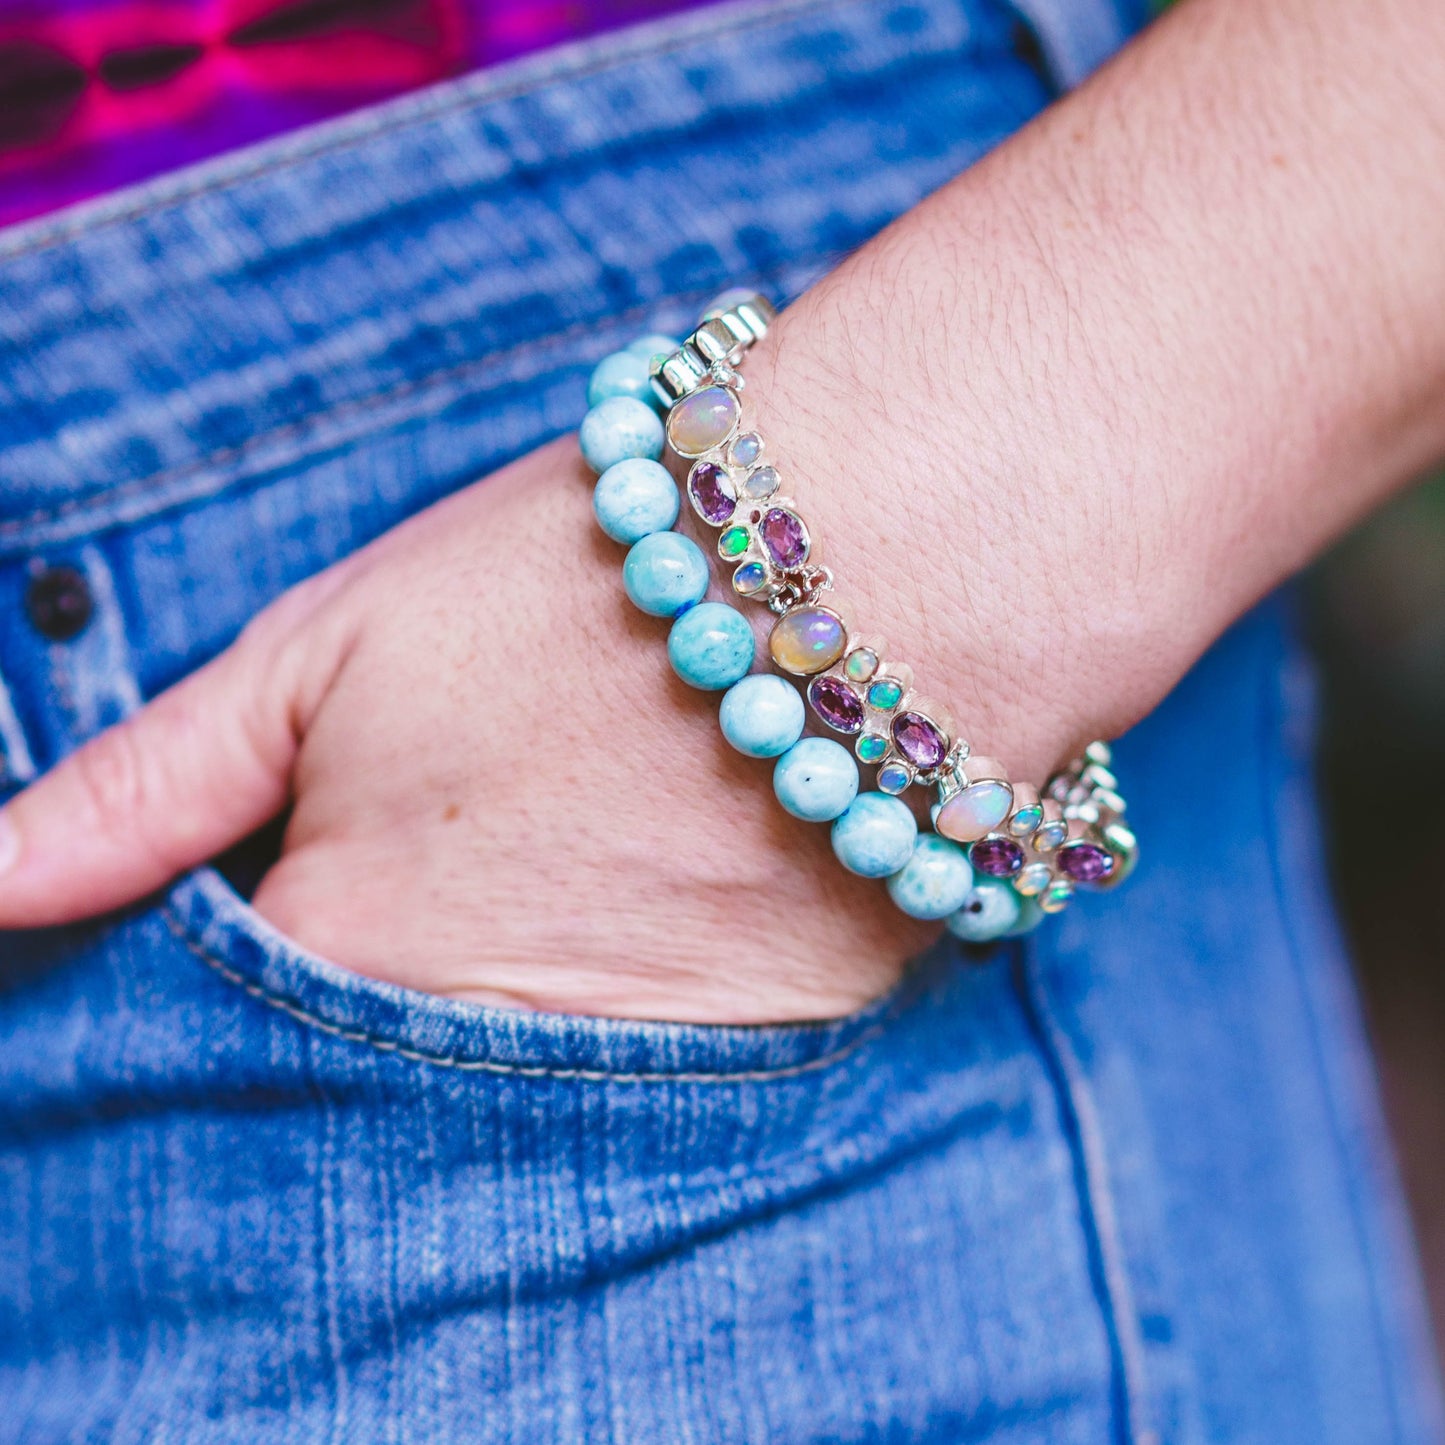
(17,767)
(1086,1148)
(294,1010)
(104,501)
(635,47)
(1282,811)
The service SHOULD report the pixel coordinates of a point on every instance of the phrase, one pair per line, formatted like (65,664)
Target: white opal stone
(1034,878)
(760,484)
(702,421)
(746,449)
(975,812)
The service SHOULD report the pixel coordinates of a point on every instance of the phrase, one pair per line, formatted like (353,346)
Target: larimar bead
(990,910)
(635,498)
(654,344)
(618,428)
(1030,916)
(816,779)
(624,373)
(935,881)
(762,716)
(710,646)
(665,573)
(875,837)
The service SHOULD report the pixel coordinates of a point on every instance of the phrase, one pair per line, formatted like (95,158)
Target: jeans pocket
(356,1206)
(217,928)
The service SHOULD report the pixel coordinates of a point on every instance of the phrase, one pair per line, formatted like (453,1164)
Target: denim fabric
(1125,1183)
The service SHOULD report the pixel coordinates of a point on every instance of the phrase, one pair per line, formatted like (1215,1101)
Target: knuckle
(116,783)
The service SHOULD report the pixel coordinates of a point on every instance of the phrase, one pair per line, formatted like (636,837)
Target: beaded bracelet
(1001,855)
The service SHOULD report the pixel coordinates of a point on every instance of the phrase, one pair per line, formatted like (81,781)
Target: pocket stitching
(294,1010)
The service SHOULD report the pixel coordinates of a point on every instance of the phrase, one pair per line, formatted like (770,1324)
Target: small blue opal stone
(816,779)
(711,646)
(624,373)
(762,716)
(618,428)
(635,498)
(935,881)
(665,573)
(989,912)
(875,837)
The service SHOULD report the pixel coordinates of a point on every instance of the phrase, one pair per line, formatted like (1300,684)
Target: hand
(1056,432)
(500,792)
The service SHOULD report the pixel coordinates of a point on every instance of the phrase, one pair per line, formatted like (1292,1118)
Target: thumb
(198,769)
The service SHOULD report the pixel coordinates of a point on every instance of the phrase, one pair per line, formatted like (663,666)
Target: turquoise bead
(711,646)
(989,912)
(655,344)
(635,498)
(816,779)
(618,428)
(935,880)
(1030,916)
(875,837)
(665,573)
(624,373)
(762,716)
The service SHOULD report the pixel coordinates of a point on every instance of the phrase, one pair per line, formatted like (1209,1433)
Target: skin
(1058,427)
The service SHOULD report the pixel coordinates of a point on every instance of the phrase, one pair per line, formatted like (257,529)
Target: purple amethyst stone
(837,704)
(997,857)
(785,538)
(711,490)
(919,740)
(1085,862)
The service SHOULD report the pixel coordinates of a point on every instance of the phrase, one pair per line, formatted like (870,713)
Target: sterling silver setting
(1047,842)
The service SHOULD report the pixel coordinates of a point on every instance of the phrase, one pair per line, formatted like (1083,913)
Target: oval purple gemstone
(1085,862)
(711,490)
(997,857)
(837,704)
(919,740)
(784,537)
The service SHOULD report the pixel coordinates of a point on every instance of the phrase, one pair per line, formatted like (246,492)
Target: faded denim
(1125,1183)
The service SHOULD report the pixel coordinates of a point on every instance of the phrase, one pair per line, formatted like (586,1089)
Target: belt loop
(1078,36)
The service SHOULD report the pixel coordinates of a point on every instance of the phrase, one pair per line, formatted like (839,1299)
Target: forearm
(1055,429)
(1202,301)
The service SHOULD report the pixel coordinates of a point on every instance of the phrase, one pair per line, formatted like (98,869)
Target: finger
(198,769)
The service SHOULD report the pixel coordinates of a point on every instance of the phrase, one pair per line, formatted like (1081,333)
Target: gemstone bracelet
(1001,855)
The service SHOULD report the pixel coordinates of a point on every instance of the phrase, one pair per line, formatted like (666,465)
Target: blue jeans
(1125,1182)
